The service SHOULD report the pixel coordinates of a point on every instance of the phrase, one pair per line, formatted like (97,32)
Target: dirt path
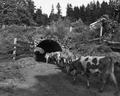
(47,80)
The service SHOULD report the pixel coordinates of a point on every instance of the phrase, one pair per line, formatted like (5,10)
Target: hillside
(77,40)
(26,77)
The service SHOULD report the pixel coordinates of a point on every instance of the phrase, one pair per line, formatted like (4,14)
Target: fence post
(14,51)
(71,28)
(101,31)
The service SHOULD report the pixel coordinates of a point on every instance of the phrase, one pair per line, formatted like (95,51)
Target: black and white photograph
(59,47)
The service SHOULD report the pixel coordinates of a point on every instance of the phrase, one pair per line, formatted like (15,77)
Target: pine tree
(70,12)
(52,11)
(76,13)
(58,10)
(51,16)
(15,12)
(38,16)
(31,7)
(8,13)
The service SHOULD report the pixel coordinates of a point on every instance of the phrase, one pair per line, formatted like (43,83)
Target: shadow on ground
(50,81)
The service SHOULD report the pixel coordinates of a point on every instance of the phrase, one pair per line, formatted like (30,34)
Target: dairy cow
(87,65)
(53,55)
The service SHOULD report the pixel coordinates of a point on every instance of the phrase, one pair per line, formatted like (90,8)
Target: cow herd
(85,66)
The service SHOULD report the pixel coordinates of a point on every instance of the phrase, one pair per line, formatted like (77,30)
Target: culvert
(48,46)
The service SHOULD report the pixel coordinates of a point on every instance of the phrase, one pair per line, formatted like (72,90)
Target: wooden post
(101,31)
(3,26)
(71,28)
(14,51)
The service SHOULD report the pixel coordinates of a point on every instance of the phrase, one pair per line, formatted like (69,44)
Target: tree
(51,16)
(31,7)
(52,11)
(69,12)
(104,8)
(15,12)
(82,13)
(97,11)
(40,19)
(38,15)
(76,13)
(8,13)
(58,9)
(116,9)
(26,11)
(44,19)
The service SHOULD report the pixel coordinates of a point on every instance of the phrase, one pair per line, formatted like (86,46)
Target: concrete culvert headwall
(48,46)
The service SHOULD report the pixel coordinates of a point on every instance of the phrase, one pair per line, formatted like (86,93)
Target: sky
(46,5)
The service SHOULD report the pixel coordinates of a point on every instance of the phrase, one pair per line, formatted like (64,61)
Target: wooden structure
(16,50)
(115,46)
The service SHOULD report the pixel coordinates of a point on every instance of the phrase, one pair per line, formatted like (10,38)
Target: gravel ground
(26,77)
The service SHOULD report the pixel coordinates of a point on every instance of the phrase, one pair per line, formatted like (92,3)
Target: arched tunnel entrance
(48,46)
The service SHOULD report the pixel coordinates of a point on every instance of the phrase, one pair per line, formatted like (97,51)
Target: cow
(38,51)
(74,67)
(47,56)
(60,57)
(67,56)
(53,55)
(87,65)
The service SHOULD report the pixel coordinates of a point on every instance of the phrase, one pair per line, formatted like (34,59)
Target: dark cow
(88,65)
(38,53)
(74,68)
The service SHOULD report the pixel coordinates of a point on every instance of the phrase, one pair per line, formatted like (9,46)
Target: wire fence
(20,49)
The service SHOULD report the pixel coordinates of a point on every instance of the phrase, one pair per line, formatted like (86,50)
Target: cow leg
(54,60)
(58,60)
(46,57)
(114,79)
(87,74)
(46,60)
(115,82)
(88,83)
(61,64)
(67,69)
(74,75)
(104,78)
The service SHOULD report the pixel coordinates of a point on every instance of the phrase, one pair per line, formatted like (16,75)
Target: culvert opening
(48,46)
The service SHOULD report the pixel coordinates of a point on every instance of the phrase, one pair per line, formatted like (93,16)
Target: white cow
(56,55)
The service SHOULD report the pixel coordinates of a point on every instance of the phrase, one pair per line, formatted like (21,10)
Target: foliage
(16,12)
(58,9)
(53,16)
(69,12)
(40,19)
(22,33)
(116,35)
(24,12)
(58,29)
(92,11)
(77,40)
